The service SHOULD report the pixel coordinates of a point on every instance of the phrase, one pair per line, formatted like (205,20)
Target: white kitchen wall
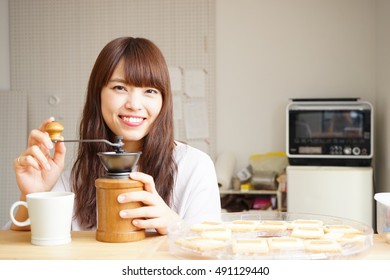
(382,168)
(271,50)
(4,47)
(13,139)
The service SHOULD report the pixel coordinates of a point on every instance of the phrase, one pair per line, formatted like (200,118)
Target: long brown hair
(145,66)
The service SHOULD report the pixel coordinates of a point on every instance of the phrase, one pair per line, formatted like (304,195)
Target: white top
(195,194)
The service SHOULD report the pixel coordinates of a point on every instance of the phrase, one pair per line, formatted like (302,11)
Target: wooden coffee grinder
(111,227)
(118,164)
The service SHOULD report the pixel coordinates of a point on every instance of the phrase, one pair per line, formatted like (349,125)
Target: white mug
(50,217)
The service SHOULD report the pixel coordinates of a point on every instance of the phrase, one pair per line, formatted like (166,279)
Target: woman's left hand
(155,213)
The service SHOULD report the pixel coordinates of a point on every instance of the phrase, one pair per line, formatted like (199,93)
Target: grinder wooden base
(119,237)
(110,226)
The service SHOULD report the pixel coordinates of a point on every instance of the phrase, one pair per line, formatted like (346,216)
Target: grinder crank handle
(54,129)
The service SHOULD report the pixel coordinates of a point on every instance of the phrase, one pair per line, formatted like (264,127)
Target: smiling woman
(128,94)
(129,110)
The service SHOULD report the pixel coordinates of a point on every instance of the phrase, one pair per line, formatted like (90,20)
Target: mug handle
(11,213)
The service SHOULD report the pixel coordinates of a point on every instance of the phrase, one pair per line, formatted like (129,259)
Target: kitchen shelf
(278,194)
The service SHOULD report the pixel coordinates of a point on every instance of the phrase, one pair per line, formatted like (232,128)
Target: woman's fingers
(153,206)
(59,153)
(35,157)
(140,212)
(157,223)
(24,161)
(141,196)
(38,137)
(151,217)
(39,140)
(154,213)
(42,156)
(38,157)
(146,179)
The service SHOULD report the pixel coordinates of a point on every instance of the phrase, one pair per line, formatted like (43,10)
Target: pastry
(206,225)
(306,223)
(285,243)
(217,233)
(272,226)
(340,228)
(323,246)
(250,246)
(307,232)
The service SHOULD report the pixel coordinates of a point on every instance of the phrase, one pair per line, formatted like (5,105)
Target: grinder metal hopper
(119,165)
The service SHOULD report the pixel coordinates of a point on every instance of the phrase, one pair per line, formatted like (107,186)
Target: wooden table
(16,245)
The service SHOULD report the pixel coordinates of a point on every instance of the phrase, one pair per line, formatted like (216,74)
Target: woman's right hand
(37,169)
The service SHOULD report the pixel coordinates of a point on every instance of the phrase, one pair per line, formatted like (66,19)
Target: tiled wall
(13,139)
(55,43)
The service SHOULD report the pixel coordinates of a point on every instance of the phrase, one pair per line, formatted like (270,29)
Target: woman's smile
(132,121)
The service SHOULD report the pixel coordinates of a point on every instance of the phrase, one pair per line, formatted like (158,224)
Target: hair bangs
(142,68)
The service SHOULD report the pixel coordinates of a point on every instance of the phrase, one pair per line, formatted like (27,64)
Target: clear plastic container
(383,215)
(351,238)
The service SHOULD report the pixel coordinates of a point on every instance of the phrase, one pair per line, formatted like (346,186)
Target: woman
(128,95)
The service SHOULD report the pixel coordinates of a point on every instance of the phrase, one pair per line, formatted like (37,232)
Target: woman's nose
(134,99)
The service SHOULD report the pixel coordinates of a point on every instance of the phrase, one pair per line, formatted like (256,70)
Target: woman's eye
(151,90)
(119,88)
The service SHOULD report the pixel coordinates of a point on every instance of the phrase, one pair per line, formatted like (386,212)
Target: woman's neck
(133,146)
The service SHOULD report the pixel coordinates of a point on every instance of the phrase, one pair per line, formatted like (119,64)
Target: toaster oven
(330,132)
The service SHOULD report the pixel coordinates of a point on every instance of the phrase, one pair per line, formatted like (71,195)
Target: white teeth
(133,119)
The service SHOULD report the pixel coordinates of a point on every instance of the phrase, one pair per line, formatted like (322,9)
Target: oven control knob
(356,151)
(347,150)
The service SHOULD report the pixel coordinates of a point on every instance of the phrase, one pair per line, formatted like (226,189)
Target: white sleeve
(196,195)
(63,184)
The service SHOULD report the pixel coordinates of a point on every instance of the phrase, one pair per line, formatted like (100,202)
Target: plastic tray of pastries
(271,235)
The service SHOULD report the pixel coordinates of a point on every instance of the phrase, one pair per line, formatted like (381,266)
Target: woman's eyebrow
(117,80)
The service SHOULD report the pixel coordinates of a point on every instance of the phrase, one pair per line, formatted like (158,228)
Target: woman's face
(129,111)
